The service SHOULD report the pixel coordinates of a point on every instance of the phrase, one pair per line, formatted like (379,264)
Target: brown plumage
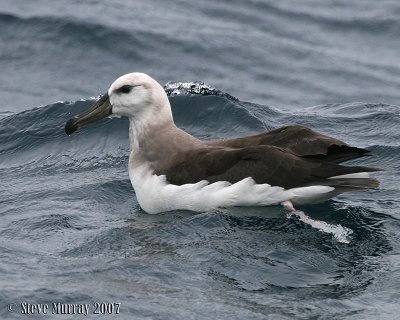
(301,141)
(288,157)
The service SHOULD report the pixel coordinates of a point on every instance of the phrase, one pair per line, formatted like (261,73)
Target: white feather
(359,175)
(155,195)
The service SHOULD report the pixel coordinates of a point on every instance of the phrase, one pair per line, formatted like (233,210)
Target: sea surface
(71,229)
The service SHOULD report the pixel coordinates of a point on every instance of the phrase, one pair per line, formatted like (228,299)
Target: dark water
(71,230)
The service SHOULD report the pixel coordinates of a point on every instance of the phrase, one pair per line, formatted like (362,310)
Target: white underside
(359,175)
(155,195)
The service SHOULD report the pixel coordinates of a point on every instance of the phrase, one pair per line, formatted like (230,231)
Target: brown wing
(265,164)
(301,141)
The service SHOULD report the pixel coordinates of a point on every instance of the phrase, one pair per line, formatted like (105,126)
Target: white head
(134,95)
(137,94)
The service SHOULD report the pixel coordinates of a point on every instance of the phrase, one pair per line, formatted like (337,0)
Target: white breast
(156,195)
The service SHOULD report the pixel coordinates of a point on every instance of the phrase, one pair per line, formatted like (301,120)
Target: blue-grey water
(71,229)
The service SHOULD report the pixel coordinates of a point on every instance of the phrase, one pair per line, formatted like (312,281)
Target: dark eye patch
(125,89)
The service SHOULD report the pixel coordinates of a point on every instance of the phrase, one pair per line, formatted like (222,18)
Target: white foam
(340,233)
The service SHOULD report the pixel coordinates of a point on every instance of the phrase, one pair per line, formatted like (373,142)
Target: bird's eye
(125,89)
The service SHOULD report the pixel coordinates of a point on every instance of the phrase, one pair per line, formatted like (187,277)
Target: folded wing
(301,141)
(264,163)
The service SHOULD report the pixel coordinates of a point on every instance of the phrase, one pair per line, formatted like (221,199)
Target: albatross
(170,169)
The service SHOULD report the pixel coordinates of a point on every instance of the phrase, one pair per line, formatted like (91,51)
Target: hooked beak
(101,109)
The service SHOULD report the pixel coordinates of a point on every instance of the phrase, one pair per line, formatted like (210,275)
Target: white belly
(155,195)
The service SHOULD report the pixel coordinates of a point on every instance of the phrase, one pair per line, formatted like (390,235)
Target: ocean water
(71,229)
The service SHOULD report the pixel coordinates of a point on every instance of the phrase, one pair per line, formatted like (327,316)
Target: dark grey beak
(101,109)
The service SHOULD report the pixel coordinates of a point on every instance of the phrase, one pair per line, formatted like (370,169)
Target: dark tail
(337,178)
(352,184)
(341,153)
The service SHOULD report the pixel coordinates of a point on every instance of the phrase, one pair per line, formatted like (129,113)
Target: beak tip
(70,127)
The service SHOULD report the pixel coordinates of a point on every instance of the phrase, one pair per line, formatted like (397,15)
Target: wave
(68,33)
(36,137)
(373,22)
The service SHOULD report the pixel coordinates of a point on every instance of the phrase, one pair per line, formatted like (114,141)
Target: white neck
(155,140)
(142,124)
